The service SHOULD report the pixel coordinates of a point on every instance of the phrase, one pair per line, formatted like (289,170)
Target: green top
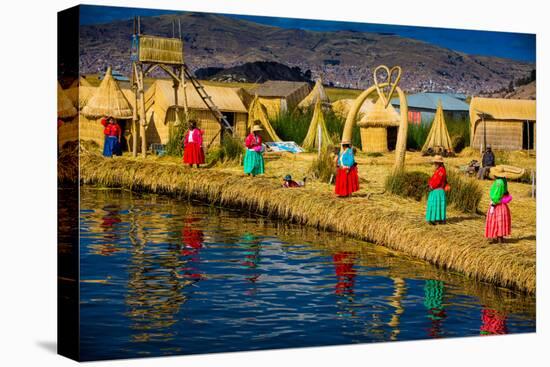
(499,188)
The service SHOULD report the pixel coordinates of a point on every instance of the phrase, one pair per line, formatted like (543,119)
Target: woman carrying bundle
(253,158)
(347,179)
(436,211)
(499,220)
(192,142)
(112,132)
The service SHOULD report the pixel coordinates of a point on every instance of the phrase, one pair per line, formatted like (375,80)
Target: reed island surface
(372,214)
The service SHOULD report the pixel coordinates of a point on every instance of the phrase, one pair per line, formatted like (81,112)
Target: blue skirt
(437,206)
(111,146)
(253,163)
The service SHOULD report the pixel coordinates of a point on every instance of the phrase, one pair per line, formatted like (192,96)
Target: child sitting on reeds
(288,182)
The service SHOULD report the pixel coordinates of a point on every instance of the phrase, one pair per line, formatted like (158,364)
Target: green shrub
(294,126)
(458,143)
(465,193)
(323,168)
(408,184)
(416,136)
(174,147)
(231,149)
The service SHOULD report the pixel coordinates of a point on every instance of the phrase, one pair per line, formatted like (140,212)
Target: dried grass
(383,219)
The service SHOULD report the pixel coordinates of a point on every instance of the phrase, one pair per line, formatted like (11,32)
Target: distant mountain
(341,58)
(254,72)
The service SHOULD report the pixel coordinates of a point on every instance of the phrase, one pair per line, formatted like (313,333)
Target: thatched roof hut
(257,112)
(317,121)
(108,100)
(507,124)
(341,107)
(279,96)
(80,91)
(374,126)
(65,108)
(162,112)
(438,137)
(318,93)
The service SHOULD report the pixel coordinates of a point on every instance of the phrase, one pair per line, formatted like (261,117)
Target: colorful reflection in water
(162,276)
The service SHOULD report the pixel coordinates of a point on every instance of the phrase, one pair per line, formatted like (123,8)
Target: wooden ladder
(208,101)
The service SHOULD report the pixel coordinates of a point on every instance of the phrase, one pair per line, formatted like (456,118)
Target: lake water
(161,276)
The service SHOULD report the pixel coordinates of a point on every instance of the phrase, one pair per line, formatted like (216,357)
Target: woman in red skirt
(193,153)
(499,220)
(347,179)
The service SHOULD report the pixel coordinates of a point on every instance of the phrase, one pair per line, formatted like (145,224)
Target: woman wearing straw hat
(253,158)
(499,220)
(112,132)
(436,211)
(347,179)
(192,142)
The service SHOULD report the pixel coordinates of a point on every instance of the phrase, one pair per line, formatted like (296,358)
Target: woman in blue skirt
(253,158)
(436,211)
(112,132)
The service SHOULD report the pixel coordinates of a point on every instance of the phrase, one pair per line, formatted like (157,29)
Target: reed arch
(401,145)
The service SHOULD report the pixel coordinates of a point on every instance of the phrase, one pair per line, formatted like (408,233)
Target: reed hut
(65,108)
(280,96)
(438,137)
(162,112)
(80,92)
(317,130)
(379,128)
(318,93)
(341,107)
(505,124)
(108,99)
(257,112)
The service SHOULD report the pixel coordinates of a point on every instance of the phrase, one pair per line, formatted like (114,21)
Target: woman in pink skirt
(499,220)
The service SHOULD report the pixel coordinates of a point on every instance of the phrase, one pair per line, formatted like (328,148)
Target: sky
(516,46)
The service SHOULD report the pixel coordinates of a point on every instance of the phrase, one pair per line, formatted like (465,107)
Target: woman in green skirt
(253,158)
(436,211)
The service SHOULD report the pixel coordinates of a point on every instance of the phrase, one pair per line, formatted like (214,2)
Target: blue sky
(517,46)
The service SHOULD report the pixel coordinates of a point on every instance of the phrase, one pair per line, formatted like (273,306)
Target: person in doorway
(436,210)
(253,158)
(288,182)
(487,161)
(498,223)
(347,178)
(192,142)
(113,133)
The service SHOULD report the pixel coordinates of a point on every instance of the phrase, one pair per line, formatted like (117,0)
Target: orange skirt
(347,181)
(193,154)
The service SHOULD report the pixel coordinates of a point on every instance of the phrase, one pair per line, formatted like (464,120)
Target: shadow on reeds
(518,239)
(455,220)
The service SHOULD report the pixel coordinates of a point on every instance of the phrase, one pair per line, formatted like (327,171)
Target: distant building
(280,96)
(422,107)
(505,124)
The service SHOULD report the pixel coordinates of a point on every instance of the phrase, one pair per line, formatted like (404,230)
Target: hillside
(342,58)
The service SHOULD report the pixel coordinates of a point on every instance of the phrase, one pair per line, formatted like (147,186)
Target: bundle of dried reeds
(108,100)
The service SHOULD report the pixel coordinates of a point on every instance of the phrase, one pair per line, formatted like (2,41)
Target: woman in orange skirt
(192,152)
(347,179)
(499,220)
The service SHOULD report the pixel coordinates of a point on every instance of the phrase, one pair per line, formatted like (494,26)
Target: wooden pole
(528,138)
(142,120)
(134,112)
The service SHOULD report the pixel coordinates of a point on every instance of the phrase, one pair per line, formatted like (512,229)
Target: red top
(439,178)
(110,129)
(253,141)
(197,136)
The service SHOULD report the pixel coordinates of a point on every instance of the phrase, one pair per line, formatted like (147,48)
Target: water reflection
(434,292)
(184,278)
(493,322)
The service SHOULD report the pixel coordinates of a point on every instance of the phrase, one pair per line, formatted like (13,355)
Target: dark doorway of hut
(392,137)
(528,135)
(226,131)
